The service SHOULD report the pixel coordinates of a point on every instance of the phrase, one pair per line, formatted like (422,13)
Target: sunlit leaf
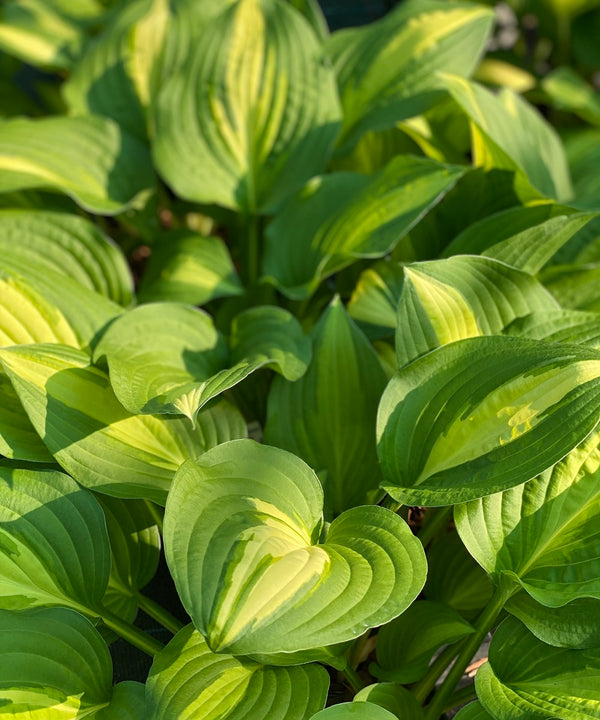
(392,697)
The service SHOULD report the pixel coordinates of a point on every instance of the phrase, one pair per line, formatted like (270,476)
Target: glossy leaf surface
(260,508)
(482,415)
(392,697)
(187,680)
(354,711)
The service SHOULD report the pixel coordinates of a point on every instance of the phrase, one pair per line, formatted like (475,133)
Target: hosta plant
(312,318)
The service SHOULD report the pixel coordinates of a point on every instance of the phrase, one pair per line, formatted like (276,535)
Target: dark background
(343,13)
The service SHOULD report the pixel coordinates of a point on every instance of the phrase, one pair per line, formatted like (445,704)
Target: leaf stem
(159,613)
(422,689)
(438,518)
(461,696)
(136,637)
(484,624)
(353,678)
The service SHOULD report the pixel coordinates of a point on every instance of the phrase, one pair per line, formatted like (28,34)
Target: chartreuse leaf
(390,696)
(509,133)
(374,302)
(73,408)
(18,439)
(354,711)
(101,167)
(187,680)
(525,679)
(274,100)
(47,33)
(569,91)
(327,416)
(542,534)
(473,711)
(575,625)
(135,545)
(186,267)
(403,655)
(482,415)
(242,530)
(67,244)
(54,665)
(341,217)
(564,326)
(574,286)
(387,71)
(169,358)
(54,547)
(460,297)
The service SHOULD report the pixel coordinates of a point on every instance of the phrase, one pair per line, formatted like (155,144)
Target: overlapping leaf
(460,297)
(473,711)
(583,152)
(392,697)
(274,100)
(18,439)
(482,415)
(75,411)
(188,680)
(354,711)
(341,217)
(543,534)
(169,358)
(101,167)
(525,679)
(242,530)
(510,134)
(69,245)
(565,326)
(54,547)
(374,302)
(387,71)
(186,267)
(327,416)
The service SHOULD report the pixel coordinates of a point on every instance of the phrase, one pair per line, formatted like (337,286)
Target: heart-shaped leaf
(327,416)
(543,534)
(390,696)
(188,680)
(73,408)
(54,548)
(169,358)
(575,625)
(511,134)
(242,528)
(341,217)
(459,297)
(53,664)
(403,655)
(188,268)
(525,679)
(118,170)
(387,71)
(354,711)
(277,105)
(69,245)
(484,414)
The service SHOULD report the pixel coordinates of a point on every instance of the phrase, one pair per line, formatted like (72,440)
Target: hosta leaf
(374,302)
(169,358)
(374,150)
(327,416)
(583,153)
(188,681)
(403,655)
(511,134)
(354,711)
(543,534)
(569,91)
(54,547)
(242,528)
(473,711)
(313,13)
(341,217)
(484,414)
(459,297)
(47,33)
(118,170)
(564,326)
(276,105)
(18,439)
(390,696)
(186,267)
(387,71)
(54,665)
(574,286)
(69,245)
(575,625)
(455,579)
(525,679)
(73,408)
(135,545)
(128,703)
(85,311)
